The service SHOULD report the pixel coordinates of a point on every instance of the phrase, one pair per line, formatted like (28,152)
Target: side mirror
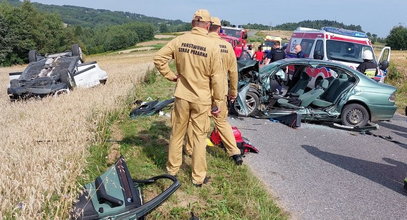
(384,65)
(318,55)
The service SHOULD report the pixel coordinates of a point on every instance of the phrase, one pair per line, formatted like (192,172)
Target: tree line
(23,27)
(317,24)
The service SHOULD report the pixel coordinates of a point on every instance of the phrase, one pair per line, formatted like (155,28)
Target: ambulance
(336,45)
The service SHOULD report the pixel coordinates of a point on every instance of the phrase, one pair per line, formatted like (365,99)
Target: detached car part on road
(115,195)
(54,74)
(345,95)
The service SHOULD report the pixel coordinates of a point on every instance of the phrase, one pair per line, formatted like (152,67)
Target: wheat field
(44,143)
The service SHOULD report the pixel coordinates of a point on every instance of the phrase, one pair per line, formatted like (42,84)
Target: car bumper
(382,112)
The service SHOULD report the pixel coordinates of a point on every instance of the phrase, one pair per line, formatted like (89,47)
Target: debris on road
(115,195)
(150,108)
(292,120)
(242,143)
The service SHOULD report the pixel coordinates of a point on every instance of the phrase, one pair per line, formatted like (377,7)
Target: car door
(384,55)
(383,63)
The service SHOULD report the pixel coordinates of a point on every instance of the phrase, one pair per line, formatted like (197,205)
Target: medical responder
(199,89)
(230,68)
(368,67)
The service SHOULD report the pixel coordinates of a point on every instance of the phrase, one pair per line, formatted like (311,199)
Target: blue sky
(374,16)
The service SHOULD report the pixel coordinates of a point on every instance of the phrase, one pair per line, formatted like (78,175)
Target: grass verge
(234,193)
(398,78)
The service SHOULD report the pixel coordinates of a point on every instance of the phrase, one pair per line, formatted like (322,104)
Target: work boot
(206,181)
(238,159)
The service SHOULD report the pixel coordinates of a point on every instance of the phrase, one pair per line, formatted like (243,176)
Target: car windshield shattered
(346,51)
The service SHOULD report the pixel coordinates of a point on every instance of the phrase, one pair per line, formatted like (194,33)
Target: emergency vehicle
(336,45)
(269,43)
(235,36)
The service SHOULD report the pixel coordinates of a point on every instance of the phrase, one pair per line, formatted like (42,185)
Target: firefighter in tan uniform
(199,88)
(230,69)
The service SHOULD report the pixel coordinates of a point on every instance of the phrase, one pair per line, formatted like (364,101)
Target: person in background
(250,50)
(297,72)
(275,54)
(368,67)
(259,55)
(298,51)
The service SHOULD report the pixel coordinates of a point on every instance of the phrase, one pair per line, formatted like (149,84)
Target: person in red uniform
(258,55)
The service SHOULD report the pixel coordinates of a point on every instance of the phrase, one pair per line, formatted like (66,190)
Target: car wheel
(252,103)
(32,56)
(77,51)
(354,115)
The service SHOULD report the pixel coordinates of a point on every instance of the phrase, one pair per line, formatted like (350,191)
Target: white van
(337,45)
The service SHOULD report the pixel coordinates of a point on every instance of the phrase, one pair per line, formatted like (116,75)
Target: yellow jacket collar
(214,35)
(199,30)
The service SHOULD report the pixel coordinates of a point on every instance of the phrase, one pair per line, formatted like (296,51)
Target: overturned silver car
(54,74)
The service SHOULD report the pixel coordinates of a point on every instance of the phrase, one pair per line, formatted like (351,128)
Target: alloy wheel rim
(355,116)
(250,105)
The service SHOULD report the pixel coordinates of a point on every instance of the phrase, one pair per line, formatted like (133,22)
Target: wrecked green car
(289,86)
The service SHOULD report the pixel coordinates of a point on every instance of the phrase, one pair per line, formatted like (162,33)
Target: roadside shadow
(390,176)
(393,127)
(404,135)
(153,141)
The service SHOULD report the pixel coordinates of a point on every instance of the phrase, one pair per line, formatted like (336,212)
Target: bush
(393,73)
(150,76)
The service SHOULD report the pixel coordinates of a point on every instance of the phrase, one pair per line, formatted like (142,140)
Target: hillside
(88,17)
(317,24)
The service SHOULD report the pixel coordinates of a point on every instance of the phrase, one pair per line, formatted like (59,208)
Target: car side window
(319,50)
(306,45)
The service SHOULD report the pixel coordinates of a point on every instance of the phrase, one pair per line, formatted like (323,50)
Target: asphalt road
(319,172)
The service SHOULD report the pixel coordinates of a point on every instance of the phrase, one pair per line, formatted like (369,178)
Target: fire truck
(235,36)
